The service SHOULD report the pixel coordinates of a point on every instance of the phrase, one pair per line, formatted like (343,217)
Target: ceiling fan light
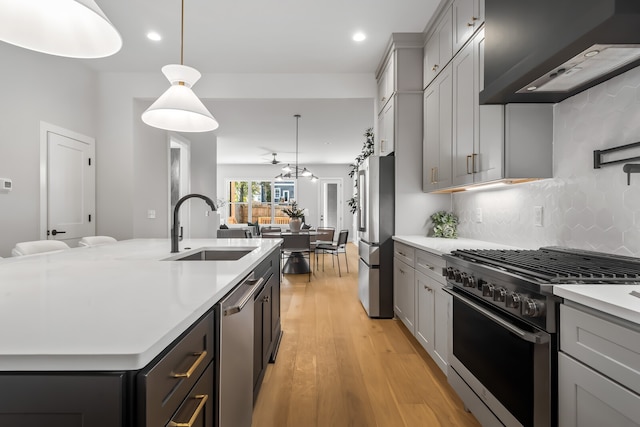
(314,178)
(305,172)
(69,28)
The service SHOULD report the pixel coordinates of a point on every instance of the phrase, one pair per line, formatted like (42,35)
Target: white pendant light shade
(179,109)
(70,28)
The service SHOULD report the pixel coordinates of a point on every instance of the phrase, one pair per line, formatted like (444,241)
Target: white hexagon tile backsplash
(583,207)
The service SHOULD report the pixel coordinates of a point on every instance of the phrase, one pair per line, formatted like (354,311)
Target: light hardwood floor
(337,367)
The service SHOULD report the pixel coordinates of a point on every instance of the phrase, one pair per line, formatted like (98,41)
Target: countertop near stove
(110,307)
(441,246)
(615,300)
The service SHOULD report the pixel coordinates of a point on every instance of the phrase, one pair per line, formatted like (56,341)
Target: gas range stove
(520,282)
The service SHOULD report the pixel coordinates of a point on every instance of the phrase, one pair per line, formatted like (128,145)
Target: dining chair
(37,247)
(324,235)
(335,250)
(95,240)
(294,247)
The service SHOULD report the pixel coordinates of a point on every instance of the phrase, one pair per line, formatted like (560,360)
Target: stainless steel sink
(223,254)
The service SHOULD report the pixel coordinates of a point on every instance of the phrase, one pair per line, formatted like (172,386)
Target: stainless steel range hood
(549,50)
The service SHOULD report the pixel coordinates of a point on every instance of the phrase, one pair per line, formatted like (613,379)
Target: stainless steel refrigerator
(376,219)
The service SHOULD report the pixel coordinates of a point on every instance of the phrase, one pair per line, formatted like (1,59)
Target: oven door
(508,364)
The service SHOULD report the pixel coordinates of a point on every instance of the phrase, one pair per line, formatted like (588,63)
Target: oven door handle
(525,335)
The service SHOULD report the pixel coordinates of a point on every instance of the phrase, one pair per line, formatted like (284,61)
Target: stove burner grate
(559,265)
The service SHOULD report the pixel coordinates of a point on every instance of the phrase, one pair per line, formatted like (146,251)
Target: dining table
(296,262)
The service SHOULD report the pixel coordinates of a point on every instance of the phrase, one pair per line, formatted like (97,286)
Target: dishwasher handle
(247,295)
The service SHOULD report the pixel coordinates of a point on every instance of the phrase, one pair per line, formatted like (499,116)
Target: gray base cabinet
(420,302)
(598,369)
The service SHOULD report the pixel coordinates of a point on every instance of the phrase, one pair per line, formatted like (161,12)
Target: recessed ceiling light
(152,35)
(358,37)
(532,88)
(591,53)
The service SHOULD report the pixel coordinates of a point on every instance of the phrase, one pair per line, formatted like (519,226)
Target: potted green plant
(445,225)
(295,215)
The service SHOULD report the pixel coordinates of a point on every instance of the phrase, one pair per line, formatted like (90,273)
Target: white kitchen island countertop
(439,246)
(111,307)
(615,300)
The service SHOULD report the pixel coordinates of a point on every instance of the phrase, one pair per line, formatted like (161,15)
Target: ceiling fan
(274,161)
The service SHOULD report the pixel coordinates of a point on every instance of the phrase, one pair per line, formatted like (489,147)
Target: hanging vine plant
(367,150)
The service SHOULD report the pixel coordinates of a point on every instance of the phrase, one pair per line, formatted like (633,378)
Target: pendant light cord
(297,116)
(182,35)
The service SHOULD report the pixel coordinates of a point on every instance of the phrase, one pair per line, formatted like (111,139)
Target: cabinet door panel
(465,102)
(404,293)
(386,119)
(465,22)
(425,315)
(437,133)
(588,399)
(442,310)
(74,399)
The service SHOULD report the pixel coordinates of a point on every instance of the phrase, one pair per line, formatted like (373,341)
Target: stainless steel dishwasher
(235,361)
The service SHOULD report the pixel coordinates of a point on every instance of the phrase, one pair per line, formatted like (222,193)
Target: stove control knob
(513,300)
(457,276)
(450,273)
(500,294)
(532,308)
(469,282)
(487,290)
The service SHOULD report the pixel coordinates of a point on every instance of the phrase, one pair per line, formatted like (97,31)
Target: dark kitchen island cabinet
(138,345)
(267,328)
(63,400)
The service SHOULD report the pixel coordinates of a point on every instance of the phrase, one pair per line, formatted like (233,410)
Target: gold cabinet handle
(201,355)
(384,98)
(472,23)
(474,163)
(433,180)
(426,266)
(468,171)
(435,67)
(437,175)
(203,400)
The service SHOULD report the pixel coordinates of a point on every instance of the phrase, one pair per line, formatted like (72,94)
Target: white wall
(585,208)
(122,204)
(36,87)
(308,192)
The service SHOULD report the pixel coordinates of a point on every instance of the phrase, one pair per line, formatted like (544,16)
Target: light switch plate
(151,214)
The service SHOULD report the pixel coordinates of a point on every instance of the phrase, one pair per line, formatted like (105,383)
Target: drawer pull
(203,399)
(201,355)
(425,266)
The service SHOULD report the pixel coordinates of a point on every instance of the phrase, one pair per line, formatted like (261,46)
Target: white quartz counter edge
(111,307)
(615,300)
(441,246)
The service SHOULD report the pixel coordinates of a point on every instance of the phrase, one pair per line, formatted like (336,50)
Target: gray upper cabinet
(468,16)
(437,133)
(488,142)
(386,83)
(439,48)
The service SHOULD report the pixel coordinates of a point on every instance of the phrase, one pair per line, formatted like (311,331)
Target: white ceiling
(269,36)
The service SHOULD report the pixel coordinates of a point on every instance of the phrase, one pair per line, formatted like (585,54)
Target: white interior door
(69,185)
(330,203)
